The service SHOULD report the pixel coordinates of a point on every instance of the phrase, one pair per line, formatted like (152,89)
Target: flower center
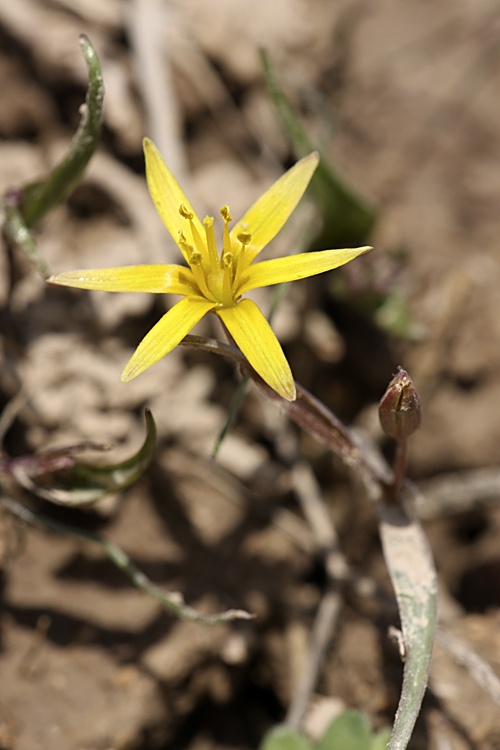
(217,278)
(215,283)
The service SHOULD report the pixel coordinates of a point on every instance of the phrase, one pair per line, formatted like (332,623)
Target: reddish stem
(399,468)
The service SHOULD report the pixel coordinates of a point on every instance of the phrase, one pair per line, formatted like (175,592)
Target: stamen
(195,261)
(226,240)
(244,238)
(208,221)
(227,286)
(184,246)
(185,213)
(196,235)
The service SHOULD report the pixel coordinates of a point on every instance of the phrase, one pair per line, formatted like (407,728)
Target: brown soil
(404,95)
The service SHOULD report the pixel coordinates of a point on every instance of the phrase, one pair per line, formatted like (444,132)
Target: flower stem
(399,469)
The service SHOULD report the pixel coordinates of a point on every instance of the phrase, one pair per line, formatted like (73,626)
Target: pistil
(227,286)
(208,221)
(244,238)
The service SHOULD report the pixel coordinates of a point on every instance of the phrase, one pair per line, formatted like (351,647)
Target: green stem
(232,413)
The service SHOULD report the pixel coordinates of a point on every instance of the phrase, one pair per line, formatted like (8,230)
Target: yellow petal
(167,194)
(166,334)
(255,338)
(269,213)
(295,267)
(153,278)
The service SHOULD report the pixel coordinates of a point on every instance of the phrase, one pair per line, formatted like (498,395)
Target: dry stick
(173,601)
(313,506)
(213,92)
(146,25)
(478,668)
(315,510)
(458,492)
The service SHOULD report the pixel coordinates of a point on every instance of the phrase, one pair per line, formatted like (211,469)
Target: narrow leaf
(41,197)
(171,601)
(414,580)
(347,217)
(232,413)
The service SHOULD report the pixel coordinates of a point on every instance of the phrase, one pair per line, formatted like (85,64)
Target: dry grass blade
(313,506)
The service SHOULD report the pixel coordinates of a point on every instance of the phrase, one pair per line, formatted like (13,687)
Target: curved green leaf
(81,483)
(41,197)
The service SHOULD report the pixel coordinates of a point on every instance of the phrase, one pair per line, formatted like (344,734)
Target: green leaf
(81,483)
(349,731)
(347,217)
(414,579)
(41,197)
(282,737)
(381,739)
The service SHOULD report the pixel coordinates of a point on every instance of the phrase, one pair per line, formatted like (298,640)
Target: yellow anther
(184,245)
(196,237)
(195,257)
(185,213)
(183,241)
(244,238)
(225,214)
(227,260)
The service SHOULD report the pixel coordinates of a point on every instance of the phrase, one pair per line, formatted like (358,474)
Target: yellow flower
(212,283)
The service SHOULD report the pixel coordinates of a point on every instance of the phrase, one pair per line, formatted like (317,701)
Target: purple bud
(400,410)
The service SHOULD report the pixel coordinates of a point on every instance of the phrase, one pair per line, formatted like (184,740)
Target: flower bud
(400,411)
